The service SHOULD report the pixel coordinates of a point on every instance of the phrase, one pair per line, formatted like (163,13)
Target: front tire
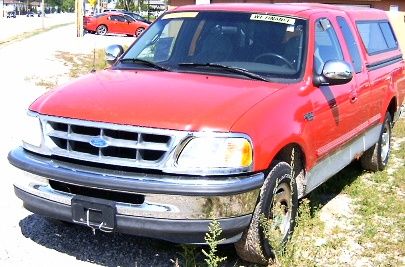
(101,30)
(278,202)
(376,157)
(139,31)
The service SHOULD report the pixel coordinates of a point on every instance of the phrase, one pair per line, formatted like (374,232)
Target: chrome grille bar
(121,145)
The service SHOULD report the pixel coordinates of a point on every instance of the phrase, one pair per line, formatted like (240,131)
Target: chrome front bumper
(155,205)
(191,199)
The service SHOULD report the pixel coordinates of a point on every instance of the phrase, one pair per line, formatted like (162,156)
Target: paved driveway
(13,26)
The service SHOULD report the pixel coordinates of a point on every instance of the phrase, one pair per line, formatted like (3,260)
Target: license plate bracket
(94,212)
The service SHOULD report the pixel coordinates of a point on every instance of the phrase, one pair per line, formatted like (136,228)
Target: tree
(130,5)
(68,5)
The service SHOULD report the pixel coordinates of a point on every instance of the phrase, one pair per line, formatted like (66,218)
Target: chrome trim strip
(341,158)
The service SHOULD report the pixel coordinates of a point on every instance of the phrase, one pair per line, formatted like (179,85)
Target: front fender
(275,122)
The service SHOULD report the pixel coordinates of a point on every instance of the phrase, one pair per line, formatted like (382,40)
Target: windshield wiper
(236,70)
(144,62)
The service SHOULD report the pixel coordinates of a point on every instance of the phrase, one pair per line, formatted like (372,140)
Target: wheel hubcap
(102,30)
(282,204)
(138,32)
(385,142)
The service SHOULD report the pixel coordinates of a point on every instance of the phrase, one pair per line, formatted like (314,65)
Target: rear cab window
(379,41)
(377,36)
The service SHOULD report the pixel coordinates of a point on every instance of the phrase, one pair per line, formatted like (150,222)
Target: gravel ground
(32,240)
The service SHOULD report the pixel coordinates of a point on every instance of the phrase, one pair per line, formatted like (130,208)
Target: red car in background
(114,22)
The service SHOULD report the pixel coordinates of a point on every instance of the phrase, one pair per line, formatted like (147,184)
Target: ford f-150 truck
(223,110)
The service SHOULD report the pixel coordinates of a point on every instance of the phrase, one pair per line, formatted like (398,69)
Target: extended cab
(227,111)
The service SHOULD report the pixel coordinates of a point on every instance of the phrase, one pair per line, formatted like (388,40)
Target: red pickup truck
(225,111)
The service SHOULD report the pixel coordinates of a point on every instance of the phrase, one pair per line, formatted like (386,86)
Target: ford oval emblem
(98,142)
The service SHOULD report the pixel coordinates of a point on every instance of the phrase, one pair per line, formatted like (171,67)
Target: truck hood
(168,100)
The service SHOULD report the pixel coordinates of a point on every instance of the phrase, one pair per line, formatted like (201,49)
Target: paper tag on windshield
(178,15)
(290,28)
(272,18)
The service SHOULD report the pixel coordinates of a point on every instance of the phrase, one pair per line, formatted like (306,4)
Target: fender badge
(309,116)
(98,142)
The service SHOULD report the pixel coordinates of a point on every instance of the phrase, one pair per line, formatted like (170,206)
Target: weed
(189,255)
(213,239)
(81,64)
(46,84)
(300,250)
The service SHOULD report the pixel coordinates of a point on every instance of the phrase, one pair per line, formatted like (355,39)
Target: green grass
(46,83)
(78,65)
(371,233)
(81,64)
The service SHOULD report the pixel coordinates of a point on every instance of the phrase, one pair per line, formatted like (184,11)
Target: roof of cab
(293,9)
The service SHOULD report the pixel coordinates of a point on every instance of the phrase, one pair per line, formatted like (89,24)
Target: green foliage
(68,5)
(188,256)
(299,250)
(64,5)
(81,64)
(212,239)
(129,5)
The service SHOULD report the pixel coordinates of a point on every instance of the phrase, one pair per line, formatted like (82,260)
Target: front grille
(108,143)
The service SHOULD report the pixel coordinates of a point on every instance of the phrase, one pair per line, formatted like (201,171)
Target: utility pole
(148,10)
(43,13)
(79,6)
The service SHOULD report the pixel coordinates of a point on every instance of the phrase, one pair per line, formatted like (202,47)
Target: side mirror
(334,72)
(112,53)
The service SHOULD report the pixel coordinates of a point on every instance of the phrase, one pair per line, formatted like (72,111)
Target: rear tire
(102,30)
(376,157)
(278,190)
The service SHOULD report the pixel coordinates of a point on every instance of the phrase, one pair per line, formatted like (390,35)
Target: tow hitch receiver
(94,212)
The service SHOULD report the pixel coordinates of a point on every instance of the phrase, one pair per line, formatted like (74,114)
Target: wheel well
(392,107)
(285,154)
(298,161)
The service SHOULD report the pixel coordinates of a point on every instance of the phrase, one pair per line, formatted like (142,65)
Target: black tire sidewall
(280,173)
(387,122)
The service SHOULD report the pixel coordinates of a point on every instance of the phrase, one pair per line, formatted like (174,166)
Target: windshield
(271,46)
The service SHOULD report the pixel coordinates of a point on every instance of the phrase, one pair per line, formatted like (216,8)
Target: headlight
(216,152)
(32,137)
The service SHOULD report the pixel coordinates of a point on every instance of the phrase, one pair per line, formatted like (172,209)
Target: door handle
(353,96)
(353,99)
